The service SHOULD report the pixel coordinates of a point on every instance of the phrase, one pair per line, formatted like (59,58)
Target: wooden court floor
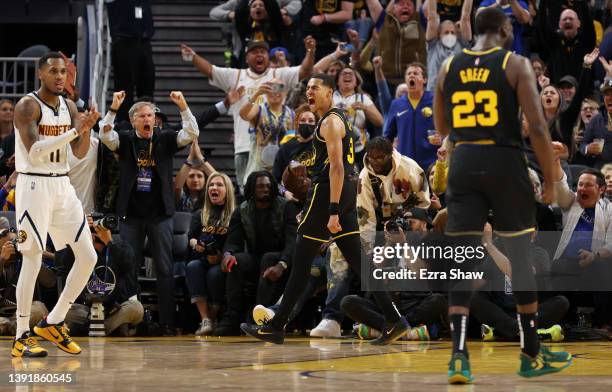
(347,365)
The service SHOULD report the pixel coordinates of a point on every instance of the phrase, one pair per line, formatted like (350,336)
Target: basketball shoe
(27,346)
(58,335)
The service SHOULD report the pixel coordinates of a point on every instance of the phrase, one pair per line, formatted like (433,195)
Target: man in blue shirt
(518,12)
(410,118)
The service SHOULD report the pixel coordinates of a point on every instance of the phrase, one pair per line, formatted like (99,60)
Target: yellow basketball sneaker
(58,335)
(27,346)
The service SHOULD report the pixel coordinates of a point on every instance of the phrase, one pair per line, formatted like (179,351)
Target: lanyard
(281,121)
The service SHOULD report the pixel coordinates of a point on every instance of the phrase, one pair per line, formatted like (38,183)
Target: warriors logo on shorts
(22,236)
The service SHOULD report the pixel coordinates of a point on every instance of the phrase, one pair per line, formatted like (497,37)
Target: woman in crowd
(205,281)
(189,182)
(6,117)
(588,109)
(298,148)
(359,108)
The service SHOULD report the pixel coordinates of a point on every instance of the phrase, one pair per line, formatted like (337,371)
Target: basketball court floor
(347,365)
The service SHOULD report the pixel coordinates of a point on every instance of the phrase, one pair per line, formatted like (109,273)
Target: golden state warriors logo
(22,236)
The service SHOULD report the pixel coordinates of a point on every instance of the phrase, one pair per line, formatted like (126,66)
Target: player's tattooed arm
(27,113)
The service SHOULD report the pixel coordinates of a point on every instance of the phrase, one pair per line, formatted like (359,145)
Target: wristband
(189,163)
(283,264)
(112,110)
(334,208)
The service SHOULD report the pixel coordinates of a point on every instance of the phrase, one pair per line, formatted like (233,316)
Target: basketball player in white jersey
(46,125)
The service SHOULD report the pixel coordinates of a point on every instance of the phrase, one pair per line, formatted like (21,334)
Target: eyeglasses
(588,108)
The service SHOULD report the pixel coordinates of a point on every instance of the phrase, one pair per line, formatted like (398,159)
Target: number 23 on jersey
(472,109)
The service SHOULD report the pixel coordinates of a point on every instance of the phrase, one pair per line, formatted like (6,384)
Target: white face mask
(449,40)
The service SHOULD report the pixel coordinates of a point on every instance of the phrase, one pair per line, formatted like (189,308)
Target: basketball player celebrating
(477,100)
(330,210)
(46,125)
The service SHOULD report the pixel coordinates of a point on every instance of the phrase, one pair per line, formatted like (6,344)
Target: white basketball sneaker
(261,314)
(327,329)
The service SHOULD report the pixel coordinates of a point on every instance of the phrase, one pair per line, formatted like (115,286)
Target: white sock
(30,267)
(85,260)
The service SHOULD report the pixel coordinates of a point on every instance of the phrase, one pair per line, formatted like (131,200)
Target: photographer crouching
(10,264)
(113,280)
(392,202)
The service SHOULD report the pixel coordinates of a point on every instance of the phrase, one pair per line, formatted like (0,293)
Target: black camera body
(398,221)
(105,221)
(18,255)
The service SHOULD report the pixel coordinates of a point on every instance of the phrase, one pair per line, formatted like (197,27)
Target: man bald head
(569,23)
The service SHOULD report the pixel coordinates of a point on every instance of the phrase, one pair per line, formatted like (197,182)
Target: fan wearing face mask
(445,39)
(299,148)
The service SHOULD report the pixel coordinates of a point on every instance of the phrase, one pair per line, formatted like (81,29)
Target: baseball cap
(568,79)
(418,213)
(255,45)
(279,49)
(606,85)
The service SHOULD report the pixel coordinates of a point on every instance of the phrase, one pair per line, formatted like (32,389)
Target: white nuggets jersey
(51,124)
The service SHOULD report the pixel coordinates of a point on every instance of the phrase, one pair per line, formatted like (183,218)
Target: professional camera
(398,221)
(18,255)
(106,222)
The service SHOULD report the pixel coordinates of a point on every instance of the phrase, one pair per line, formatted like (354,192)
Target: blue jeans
(159,233)
(205,280)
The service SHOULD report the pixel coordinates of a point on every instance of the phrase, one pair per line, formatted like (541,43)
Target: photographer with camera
(9,265)
(388,180)
(113,279)
(424,309)
(207,234)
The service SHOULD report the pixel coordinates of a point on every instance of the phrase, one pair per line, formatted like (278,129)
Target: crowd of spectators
(384,56)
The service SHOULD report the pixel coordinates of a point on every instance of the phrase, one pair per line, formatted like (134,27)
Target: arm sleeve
(221,11)
(293,7)
(565,197)
(366,215)
(390,127)
(43,147)
(588,135)
(439,178)
(195,227)
(289,75)
(210,114)
(384,97)
(235,234)
(110,139)
(190,129)
(223,78)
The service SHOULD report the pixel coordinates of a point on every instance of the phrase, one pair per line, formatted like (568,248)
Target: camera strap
(375,182)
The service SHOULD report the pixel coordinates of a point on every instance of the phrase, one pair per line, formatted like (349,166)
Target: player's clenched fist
(333,225)
(118,98)
(178,99)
